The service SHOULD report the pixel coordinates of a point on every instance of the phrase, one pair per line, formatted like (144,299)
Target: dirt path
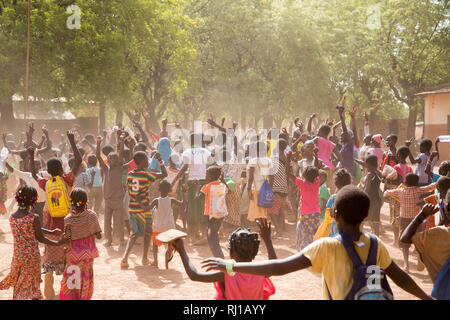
(148,283)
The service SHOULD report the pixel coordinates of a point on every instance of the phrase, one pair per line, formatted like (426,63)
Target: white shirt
(29,180)
(197,159)
(262,171)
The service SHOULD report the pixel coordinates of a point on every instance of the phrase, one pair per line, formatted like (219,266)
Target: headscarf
(164,150)
(377,138)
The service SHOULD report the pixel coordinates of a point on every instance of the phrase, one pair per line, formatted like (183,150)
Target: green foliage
(249,60)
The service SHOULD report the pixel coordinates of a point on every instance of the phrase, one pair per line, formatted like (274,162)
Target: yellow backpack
(57,197)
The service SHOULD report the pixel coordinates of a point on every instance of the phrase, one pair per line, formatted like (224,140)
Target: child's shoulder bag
(369,281)
(57,197)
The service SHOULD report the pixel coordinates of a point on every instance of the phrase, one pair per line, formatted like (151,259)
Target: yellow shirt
(329,257)
(433,246)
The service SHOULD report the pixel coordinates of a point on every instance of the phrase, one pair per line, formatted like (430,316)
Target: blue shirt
(97,178)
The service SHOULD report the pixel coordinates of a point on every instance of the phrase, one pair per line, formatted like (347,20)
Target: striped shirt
(138,182)
(280,181)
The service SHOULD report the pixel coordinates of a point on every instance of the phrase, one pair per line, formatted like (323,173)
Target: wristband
(230,264)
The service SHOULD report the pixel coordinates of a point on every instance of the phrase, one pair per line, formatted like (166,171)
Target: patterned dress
(25,274)
(233,171)
(3,195)
(78,278)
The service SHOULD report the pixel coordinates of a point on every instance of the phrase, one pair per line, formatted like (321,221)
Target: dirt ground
(149,283)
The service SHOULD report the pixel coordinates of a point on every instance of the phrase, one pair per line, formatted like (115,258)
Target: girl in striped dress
(81,228)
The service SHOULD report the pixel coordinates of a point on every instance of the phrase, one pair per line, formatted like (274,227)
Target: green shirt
(323,194)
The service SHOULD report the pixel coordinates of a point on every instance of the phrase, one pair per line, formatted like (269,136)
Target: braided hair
(78,199)
(26,197)
(244,243)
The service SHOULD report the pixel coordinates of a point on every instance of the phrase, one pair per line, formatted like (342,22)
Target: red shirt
(69,178)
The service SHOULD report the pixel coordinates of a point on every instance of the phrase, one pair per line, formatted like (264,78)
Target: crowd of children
(141,186)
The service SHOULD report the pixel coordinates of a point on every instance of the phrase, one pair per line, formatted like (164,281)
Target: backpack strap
(372,257)
(349,247)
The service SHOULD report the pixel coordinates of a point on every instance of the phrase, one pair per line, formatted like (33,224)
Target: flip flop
(170,235)
(170,253)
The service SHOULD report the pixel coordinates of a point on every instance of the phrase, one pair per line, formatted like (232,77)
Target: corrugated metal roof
(443,88)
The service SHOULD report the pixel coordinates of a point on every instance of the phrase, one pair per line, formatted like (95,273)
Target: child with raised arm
(433,246)
(409,196)
(25,273)
(57,207)
(423,169)
(351,208)
(163,218)
(113,191)
(309,215)
(139,182)
(81,228)
(243,245)
(371,185)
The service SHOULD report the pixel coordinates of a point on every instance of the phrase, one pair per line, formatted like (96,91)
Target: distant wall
(87,125)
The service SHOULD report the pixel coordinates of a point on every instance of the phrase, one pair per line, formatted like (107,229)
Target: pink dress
(326,148)
(244,286)
(310,196)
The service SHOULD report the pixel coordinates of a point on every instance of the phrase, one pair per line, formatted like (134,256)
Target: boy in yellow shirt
(329,257)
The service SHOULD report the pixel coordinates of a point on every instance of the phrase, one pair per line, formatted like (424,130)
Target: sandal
(145,262)
(170,253)
(124,265)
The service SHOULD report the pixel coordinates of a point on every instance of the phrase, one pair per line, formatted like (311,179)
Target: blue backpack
(266,196)
(362,288)
(441,286)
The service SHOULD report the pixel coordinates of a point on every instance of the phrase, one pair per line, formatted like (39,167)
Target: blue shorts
(140,226)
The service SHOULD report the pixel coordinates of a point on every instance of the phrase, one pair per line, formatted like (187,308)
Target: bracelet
(230,264)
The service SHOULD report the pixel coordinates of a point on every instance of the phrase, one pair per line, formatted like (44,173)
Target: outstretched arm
(404,281)
(163,173)
(427,211)
(277,267)
(97,154)
(264,231)
(310,121)
(75,151)
(48,145)
(191,271)
(353,125)
(39,235)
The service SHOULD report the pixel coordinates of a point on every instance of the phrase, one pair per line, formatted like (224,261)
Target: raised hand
(70,135)
(99,139)
(408,142)
(157,156)
(429,209)
(352,113)
(264,228)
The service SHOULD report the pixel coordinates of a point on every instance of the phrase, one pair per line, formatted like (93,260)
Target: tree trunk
(7,119)
(243,124)
(153,121)
(412,118)
(102,115)
(119,117)
(267,122)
